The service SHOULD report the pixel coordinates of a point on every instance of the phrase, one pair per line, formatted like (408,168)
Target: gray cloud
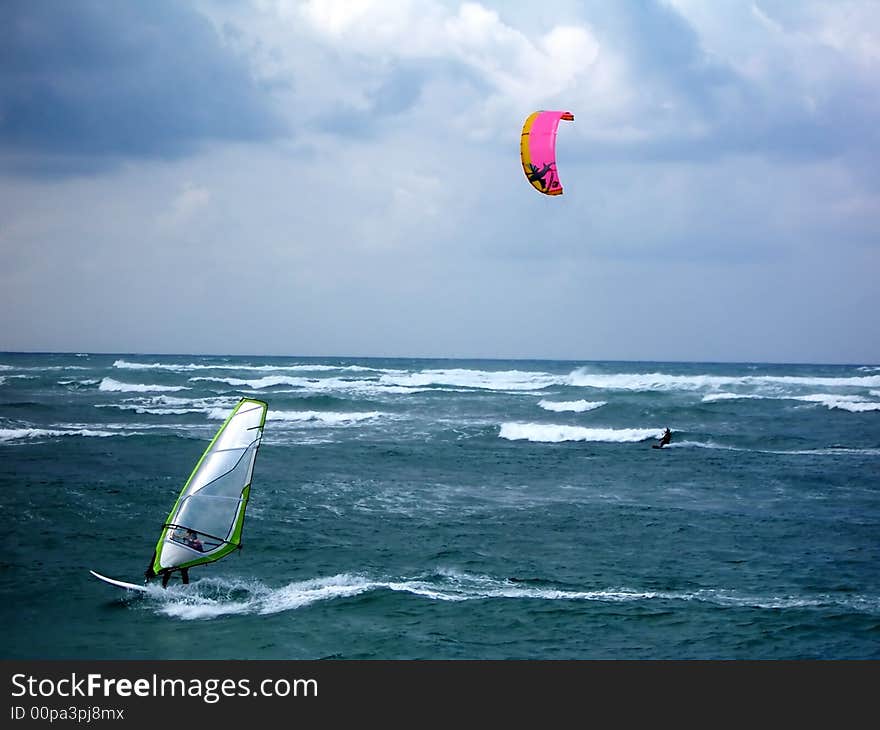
(84,85)
(698,107)
(720,179)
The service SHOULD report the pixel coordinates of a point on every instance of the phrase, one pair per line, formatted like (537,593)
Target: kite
(538,150)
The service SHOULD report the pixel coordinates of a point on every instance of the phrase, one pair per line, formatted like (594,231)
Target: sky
(343,178)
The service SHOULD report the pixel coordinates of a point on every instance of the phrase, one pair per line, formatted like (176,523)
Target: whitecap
(551,433)
(577,406)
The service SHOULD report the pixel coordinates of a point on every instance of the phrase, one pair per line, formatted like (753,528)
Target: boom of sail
(206,521)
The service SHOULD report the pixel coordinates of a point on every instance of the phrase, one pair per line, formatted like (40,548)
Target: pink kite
(538,150)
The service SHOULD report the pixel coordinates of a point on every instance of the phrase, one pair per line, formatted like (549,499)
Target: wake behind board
(120,583)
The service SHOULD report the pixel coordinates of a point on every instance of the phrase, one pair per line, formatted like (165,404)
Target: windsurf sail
(206,521)
(538,150)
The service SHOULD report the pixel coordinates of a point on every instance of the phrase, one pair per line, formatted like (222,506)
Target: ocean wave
(168,405)
(666,382)
(211,598)
(852,403)
(267,381)
(192,367)
(713,397)
(30,434)
(43,369)
(506,380)
(550,433)
(827,451)
(328,418)
(114,386)
(577,406)
(314,385)
(88,383)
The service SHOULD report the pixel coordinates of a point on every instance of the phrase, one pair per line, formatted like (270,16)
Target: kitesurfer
(537,175)
(665,438)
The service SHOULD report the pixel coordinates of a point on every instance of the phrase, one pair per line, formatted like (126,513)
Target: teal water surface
(438,509)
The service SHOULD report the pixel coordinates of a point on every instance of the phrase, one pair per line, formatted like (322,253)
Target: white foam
(114,386)
(510,380)
(315,385)
(550,433)
(169,405)
(192,367)
(666,382)
(323,417)
(577,406)
(851,403)
(212,597)
(19,434)
(830,451)
(712,397)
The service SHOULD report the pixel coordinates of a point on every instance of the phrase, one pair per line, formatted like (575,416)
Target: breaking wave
(576,406)
(114,386)
(549,433)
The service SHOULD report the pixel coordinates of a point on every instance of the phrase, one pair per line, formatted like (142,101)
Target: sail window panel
(214,516)
(241,430)
(230,476)
(212,508)
(213,466)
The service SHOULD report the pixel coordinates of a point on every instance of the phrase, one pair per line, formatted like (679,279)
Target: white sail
(205,523)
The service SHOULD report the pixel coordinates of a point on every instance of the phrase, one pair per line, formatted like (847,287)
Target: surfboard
(120,583)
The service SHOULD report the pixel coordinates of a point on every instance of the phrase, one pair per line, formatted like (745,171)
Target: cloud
(186,205)
(801,80)
(86,85)
(722,155)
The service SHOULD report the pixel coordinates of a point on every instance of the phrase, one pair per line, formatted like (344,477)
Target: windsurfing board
(119,583)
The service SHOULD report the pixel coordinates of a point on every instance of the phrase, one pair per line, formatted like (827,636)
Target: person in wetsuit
(665,438)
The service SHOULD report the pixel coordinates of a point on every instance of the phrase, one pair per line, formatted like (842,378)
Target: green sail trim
(211,506)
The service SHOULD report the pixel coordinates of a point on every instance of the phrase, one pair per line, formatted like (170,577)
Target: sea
(448,509)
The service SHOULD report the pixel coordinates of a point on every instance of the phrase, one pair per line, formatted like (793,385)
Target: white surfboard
(119,583)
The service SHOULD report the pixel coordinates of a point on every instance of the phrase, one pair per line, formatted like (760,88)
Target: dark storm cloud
(87,84)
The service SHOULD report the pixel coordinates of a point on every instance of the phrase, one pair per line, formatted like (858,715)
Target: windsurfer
(192,540)
(166,576)
(242,431)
